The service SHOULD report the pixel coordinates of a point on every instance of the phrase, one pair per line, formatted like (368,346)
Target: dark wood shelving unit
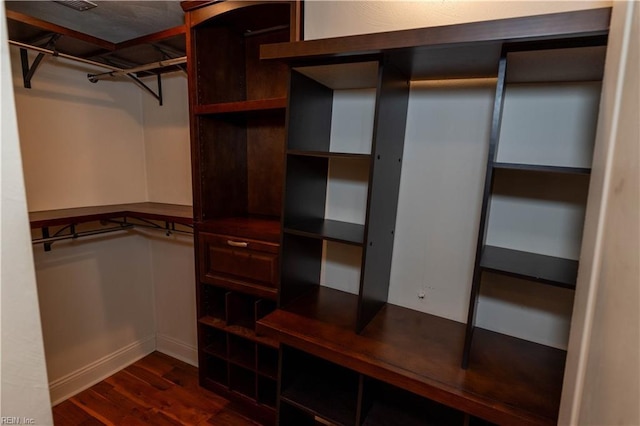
(532,266)
(324,154)
(327,229)
(241,106)
(406,363)
(585,64)
(542,168)
(421,353)
(238,113)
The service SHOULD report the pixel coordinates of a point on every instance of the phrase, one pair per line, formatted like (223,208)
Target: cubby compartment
(315,189)
(214,341)
(242,352)
(215,369)
(291,414)
(549,124)
(213,302)
(332,108)
(319,387)
(386,405)
(241,310)
(535,225)
(267,391)
(242,381)
(264,307)
(242,163)
(268,362)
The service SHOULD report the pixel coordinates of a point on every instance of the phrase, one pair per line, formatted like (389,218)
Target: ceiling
(122,34)
(113,21)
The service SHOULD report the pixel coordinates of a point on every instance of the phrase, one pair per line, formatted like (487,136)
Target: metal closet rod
(113,70)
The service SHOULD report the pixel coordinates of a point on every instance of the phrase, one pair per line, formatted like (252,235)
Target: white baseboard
(177,349)
(67,386)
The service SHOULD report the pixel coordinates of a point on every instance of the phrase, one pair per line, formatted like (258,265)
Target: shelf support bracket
(147,89)
(29,70)
(45,236)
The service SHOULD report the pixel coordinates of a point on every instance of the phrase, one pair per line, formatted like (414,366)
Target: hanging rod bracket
(147,89)
(29,70)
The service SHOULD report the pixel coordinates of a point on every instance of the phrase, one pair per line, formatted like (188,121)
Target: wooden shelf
(259,228)
(542,168)
(238,331)
(509,381)
(472,50)
(155,211)
(241,106)
(325,154)
(326,229)
(327,305)
(532,266)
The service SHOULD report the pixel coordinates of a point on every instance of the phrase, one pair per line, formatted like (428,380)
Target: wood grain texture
(241,106)
(509,381)
(556,25)
(157,390)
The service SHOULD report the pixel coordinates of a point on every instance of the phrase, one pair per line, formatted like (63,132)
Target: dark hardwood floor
(157,390)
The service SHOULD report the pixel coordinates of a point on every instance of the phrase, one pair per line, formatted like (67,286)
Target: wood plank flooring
(157,390)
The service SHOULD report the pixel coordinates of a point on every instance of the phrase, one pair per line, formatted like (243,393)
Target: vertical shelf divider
(496,122)
(384,185)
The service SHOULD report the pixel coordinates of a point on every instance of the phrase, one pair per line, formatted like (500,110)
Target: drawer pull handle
(237,243)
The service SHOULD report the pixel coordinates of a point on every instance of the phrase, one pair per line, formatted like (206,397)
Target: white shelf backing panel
(347,189)
(538,212)
(352,120)
(341,266)
(440,199)
(536,312)
(549,124)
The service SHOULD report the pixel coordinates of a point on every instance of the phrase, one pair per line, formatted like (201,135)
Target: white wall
(23,377)
(168,162)
(82,143)
(166,142)
(97,308)
(329,18)
(601,385)
(173,274)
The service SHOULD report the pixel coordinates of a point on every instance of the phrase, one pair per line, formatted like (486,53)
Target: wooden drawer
(230,261)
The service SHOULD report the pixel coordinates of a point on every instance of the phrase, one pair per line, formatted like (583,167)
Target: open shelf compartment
(537,267)
(319,387)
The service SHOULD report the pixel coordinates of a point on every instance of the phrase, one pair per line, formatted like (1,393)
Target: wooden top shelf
(155,211)
(472,49)
(509,381)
